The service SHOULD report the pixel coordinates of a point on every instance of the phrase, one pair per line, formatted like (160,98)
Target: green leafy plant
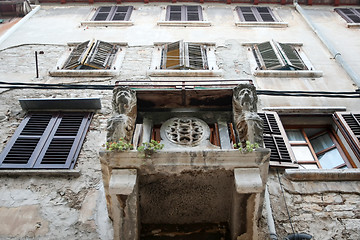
(149,148)
(120,146)
(249,147)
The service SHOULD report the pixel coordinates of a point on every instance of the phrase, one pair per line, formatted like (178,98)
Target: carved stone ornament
(185,132)
(122,122)
(248,123)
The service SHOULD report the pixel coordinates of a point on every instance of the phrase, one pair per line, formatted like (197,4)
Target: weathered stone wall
(326,210)
(49,206)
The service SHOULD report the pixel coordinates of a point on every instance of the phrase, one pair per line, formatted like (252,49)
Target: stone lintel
(123,181)
(248,180)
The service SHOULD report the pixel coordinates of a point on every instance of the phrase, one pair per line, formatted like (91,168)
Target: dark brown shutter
(267,56)
(64,143)
(193,13)
(275,138)
(265,14)
(175,13)
(195,55)
(101,55)
(46,140)
(122,13)
(76,56)
(173,55)
(103,14)
(25,145)
(349,14)
(349,126)
(293,56)
(246,14)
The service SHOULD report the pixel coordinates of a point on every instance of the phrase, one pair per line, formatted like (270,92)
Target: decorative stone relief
(122,122)
(248,123)
(185,132)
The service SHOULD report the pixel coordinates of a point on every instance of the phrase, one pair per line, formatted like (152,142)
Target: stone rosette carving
(248,124)
(185,132)
(122,122)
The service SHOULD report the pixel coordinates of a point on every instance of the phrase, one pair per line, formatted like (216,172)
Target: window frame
(202,22)
(109,20)
(331,133)
(157,71)
(345,16)
(256,63)
(241,22)
(41,148)
(113,70)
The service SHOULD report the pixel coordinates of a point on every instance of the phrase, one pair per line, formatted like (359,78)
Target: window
(282,60)
(255,14)
(351,15)
(91,59)
(304,144)
(316,148)
(183,13)
(114,13)
(91,55)
(180,55)
(50,140)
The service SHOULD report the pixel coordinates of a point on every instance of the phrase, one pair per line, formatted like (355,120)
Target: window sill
(184,73)
(353,25)
(288,74)
(84,73)
(184,23)
(107,23)
(262,24)
(322,174)
(40,172)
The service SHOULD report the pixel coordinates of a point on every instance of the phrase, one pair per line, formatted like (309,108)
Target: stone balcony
(185,187)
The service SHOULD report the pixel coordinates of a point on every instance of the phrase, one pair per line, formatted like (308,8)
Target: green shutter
(292,57)
(268,58)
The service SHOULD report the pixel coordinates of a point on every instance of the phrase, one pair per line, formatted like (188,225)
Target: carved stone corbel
(122,122)
(248,124)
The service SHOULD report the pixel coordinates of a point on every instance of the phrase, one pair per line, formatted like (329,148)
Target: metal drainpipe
(270,219)
(337,55)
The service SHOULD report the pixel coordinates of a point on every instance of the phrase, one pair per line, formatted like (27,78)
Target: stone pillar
(124,193)
(246,203)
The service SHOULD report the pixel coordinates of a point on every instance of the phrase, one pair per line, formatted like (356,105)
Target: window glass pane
(330,159)
(295,136)
(308,166)
(322,142)
(302,153)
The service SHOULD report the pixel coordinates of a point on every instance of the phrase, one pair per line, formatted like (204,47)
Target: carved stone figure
(248,123)
(122,122)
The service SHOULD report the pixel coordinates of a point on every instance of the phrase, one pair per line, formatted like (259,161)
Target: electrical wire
(327,94)
(287,210)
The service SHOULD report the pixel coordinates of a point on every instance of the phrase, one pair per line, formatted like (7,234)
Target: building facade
(215,69)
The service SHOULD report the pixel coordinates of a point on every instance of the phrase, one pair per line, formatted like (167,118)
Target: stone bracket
(248,180)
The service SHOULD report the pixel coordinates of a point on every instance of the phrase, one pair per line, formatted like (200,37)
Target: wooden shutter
(193,13)
(101,55)
(64,143)
(292,57)
(351,15)
(77,56)
(267,56)
(46,140)
(173,55)
(246,14)
(265,14)
(122,13)
(349,126)
(25,145)
(175,13)
(195,56)
(103,14)
(275,138)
